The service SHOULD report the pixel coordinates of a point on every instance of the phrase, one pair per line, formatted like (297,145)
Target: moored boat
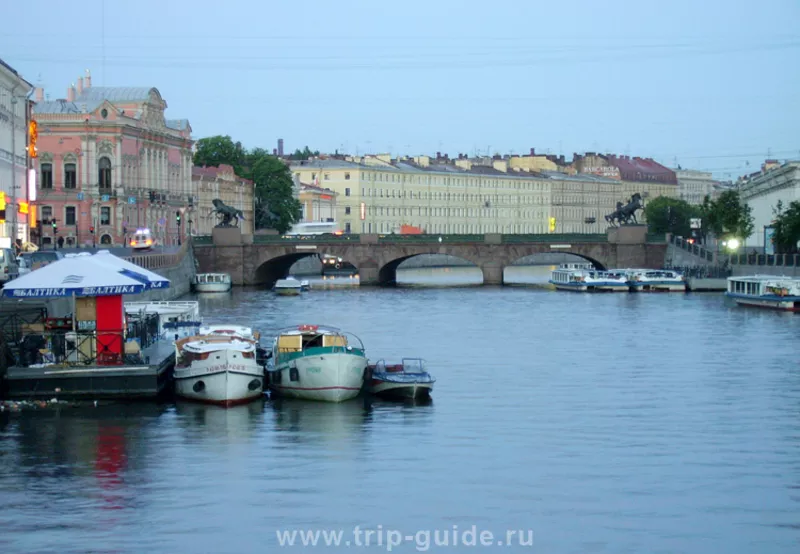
(176,318)
(406,380)
(584,278)
(317,362)
(655,280)
(219,366)
(288,287)
(212,282)
(765,291)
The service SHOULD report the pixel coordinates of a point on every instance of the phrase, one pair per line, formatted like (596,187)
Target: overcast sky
(713,84)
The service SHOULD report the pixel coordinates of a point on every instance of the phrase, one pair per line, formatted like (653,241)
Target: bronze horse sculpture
(230,215)
(626,214)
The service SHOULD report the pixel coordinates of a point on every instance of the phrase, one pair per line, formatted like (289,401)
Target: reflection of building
(319,204)
(762,191)
(14,119)
(378,194)
(694,186)
(220,182)
(109,159)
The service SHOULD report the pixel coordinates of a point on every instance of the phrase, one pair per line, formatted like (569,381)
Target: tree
(730,217)
(304,154)
(275,205)
(670,215)
(213,151)
(787,227)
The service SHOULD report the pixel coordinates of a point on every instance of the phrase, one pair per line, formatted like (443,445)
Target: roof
(14,71)
(115,94)
(212,172)
(642,169)
(62,106)
(177,124)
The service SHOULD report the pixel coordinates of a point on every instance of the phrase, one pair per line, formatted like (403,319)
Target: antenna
(769,152)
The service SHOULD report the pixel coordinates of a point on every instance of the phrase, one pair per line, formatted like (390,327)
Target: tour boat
(583,277)
(176,318)
(407,380)
(765,291)
(288,287)
(219,365)
(317,362)
(655,280)
(212,282)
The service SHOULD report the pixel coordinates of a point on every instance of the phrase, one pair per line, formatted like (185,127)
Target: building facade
(694,186)
(319,203)
(110,162)
(14,161)
(378,194)
(762,192)
(220,182)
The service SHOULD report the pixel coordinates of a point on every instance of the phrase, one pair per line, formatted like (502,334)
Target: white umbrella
(74,275)
(152,280)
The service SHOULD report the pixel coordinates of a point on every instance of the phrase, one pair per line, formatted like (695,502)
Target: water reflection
(205,422)
(304,421)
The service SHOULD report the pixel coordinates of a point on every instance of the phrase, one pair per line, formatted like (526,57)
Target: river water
(600,423)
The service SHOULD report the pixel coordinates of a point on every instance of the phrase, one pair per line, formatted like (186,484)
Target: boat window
(413,366)
(312,341)
(289,343)
(333,340)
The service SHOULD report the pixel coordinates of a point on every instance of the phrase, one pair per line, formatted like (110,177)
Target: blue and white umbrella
(74,276)
(152,280)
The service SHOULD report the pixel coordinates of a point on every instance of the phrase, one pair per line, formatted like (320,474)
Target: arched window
(104,173)
(105,239)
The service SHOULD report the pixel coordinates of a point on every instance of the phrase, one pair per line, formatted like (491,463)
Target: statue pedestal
(226,236)
(628,234)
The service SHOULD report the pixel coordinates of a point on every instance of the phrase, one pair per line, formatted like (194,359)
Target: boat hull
(658,287)
(591,287)
(569,287)
(325,376)
(212,287)
(287,291)
(402,391)
(226,381)
(787,304)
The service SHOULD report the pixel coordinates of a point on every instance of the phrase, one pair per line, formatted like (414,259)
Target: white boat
(288,287)
(316,362)
(644,280)
(765,291)
(219,366)
(176,318)
(406,380)
(212,282)
(583,278)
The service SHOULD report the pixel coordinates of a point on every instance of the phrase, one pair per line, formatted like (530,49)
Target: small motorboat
(288,287)
(212,282)
(406,380)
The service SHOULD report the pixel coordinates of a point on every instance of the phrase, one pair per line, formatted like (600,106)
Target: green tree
(304,154)
(787,227)
(670,215)
(730,217)
(275,205)
(213,151)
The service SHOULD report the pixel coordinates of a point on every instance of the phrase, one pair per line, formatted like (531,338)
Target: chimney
(275,152)
(88,81)
(80,86)
(533,151)
(71,93)
(280,147)
(39,94)
(438,155)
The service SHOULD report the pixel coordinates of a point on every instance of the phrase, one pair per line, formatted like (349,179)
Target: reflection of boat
(317,363)
(218,366)
(212,282)
(408,379)
(217,420)
(288,287)
(655,280)
(318,421)
(765,291)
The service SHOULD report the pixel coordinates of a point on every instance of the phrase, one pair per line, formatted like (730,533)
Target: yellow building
(319,204)
(378,194)
(220,182)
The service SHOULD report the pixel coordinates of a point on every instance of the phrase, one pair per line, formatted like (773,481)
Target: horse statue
(227,213)
(623,215)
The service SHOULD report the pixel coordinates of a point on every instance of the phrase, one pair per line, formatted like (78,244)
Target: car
(40,258)
(142,239)
(9,269)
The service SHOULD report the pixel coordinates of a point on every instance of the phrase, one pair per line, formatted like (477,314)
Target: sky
(711,85)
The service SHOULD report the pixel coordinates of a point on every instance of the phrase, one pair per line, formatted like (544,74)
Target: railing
(695,249)
(768,260)
(558,238)
(159,261)
(551,238)
(702,271)
(13,326)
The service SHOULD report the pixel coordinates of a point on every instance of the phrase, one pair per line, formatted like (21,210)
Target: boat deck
(92,382)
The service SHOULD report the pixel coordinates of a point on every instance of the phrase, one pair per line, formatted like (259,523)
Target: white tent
(74,275)
(153,280)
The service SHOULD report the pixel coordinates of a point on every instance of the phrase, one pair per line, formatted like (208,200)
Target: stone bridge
(377,257)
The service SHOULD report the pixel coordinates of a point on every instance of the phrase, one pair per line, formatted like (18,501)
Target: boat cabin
(212,278)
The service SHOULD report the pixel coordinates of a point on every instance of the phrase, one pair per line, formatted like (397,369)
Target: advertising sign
(769,245)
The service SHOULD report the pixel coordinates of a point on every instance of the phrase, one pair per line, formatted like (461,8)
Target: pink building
(109,160)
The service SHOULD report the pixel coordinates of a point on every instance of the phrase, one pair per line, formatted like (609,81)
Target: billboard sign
(769,243)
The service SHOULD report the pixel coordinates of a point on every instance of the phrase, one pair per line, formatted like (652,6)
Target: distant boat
(584,278)
(288,287)
(765,291)
(406,380)
(656,280)
(212,282)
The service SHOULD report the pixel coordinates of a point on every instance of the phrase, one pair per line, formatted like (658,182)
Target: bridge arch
(387,273)
(551,253)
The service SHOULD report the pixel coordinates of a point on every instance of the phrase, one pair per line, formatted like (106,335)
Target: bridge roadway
(262,259)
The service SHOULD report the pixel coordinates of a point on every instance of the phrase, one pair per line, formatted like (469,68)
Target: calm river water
(600,423)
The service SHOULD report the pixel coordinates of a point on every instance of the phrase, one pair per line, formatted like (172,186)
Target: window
(347,210)
(47,176)
(104,173)
(46,213)
(70,176)
(105,215)
(347,227)
(346,176)
(69,215)
(347,191)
